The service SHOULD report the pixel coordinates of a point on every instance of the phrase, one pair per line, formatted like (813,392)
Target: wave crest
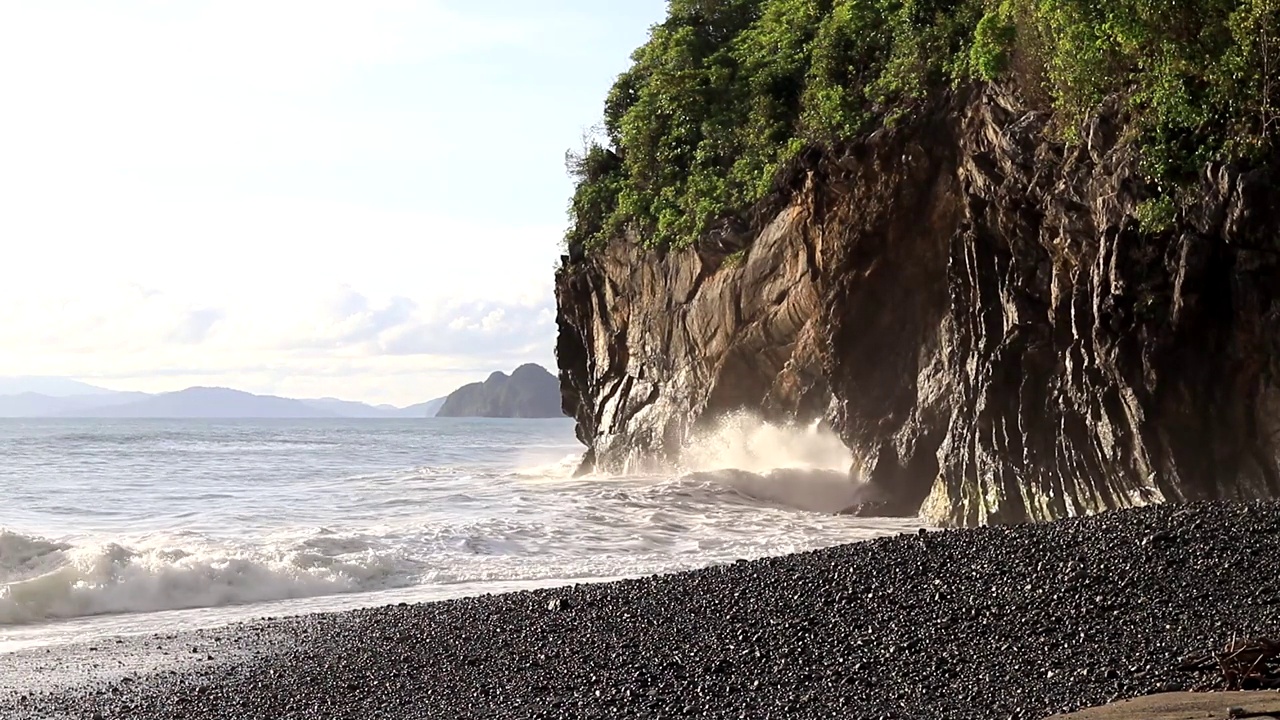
(41,580)
(533,523)
(818,491)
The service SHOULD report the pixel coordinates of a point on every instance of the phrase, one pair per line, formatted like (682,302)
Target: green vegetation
(1156,215)
(725,92)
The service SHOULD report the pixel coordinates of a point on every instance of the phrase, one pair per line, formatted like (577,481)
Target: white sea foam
(43,580)
(558,470)
(264,524)
(741,441)
(804,467)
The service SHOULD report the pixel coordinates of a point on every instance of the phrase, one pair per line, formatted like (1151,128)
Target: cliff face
(974,308)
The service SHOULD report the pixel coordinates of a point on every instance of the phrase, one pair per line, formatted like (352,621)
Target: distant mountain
(352,409)
(529,392)
(87,401)
(32,404)
(56,387)
(428,409)
(208,402)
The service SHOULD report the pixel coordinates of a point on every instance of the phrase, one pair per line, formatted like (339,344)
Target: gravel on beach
(992,623)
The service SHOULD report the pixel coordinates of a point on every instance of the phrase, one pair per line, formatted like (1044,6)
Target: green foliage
(992,42)
(1157,214)
(725,92)
(598,172)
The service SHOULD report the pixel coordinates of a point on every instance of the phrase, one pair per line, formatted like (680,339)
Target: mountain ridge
(193,402)
(82,400)
(530,391)
(209,402)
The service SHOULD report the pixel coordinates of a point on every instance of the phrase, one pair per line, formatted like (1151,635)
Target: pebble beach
(1019,622)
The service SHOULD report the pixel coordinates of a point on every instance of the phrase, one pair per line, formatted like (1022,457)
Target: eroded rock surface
(974,307)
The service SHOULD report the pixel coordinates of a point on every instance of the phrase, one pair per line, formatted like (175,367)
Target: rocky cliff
(973,307)
(528,392)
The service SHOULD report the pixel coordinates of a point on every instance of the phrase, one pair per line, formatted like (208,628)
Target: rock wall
(973,307)
(652,345)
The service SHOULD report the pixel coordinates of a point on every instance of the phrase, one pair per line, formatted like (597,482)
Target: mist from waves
(802,467)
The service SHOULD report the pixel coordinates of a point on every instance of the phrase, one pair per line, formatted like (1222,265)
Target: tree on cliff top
(727,91)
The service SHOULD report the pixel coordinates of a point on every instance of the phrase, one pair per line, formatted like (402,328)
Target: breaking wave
(802,467)
(742,441)
(745,489)
(42,580)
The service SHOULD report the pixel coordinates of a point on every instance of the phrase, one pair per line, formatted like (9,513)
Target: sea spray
(742,441)
(800,467)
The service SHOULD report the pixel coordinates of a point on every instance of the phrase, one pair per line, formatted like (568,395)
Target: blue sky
(311,197)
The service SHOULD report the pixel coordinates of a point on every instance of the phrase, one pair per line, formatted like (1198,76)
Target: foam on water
(746,490)
(41,580)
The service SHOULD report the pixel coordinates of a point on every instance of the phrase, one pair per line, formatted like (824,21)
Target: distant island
(56,397)
(528,392)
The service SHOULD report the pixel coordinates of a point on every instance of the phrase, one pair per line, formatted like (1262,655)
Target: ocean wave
(806,490)
(745,490)
(556,470)
(43,580)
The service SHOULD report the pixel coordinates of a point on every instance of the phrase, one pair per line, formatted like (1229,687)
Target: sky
(299,197)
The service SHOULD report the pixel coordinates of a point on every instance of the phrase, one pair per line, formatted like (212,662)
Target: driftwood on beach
(1242,664)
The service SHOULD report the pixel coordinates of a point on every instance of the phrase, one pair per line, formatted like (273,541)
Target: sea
(117,527)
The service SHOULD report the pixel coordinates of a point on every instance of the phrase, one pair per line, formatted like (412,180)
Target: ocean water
(123,526)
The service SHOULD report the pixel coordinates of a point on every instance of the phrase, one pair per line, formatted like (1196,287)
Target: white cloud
(159,341)
(267,192)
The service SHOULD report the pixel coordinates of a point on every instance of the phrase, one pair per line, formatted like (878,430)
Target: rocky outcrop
(529,392)
(973,306)
(651,345)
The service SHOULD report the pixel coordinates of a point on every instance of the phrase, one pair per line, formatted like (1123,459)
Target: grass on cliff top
(727,91)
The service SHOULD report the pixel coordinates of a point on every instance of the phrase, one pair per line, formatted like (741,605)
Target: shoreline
(1008,622)
(105,628)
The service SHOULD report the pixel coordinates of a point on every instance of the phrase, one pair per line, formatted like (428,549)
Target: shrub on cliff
(726,91)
